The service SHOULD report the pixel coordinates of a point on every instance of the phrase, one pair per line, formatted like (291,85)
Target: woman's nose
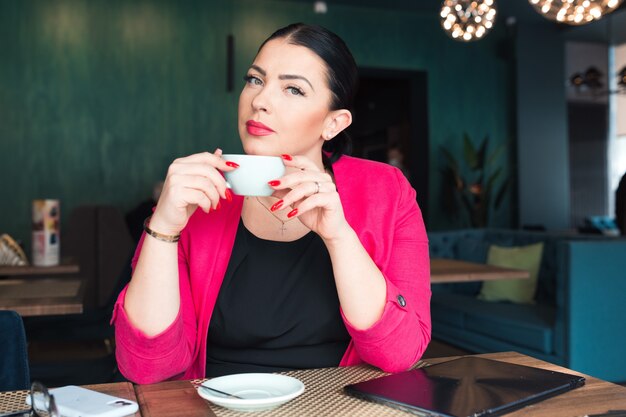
(262,101)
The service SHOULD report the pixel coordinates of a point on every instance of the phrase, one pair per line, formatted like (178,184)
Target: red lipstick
(258,128)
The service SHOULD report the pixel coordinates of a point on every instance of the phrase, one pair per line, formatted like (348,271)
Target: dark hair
(341,72)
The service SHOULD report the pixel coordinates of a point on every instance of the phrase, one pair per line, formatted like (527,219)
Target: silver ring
(318,187)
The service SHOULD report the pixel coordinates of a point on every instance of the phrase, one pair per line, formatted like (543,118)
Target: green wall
(97,97)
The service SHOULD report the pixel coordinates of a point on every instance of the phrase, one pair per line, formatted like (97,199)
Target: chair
(14,371)
(97,236)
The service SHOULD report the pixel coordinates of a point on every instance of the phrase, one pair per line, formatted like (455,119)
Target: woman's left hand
(311,195)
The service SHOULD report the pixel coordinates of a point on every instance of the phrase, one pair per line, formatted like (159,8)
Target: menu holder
(172,399)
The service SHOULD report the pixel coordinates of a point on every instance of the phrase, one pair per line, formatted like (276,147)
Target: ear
(337,120)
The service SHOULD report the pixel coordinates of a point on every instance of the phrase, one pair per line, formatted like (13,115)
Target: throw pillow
(516,290)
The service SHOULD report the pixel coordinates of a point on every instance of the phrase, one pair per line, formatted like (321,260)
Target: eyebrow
(284,76)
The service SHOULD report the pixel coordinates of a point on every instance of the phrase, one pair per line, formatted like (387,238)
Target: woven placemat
(326,383)
(13,401)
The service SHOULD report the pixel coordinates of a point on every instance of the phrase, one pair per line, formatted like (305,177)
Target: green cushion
(517,290)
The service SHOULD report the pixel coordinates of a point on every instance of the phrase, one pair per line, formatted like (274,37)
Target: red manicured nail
(277,205)
(292,213)
(286,157)
(274,183)
(229,195)
(232,164)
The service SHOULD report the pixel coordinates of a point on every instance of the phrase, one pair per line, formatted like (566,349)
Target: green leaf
(493,177)
(490,185)
(467,203)
(449,193)
(482,152)
(500,195)
(469,152)
(494,155)
(476,166)
(450,158)
(454,170)
(451,178)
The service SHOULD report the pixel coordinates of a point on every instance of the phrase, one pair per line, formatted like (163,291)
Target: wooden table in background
(41,290)
(42,296)
(65,267)
(453,270)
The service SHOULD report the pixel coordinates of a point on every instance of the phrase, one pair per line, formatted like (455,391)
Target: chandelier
(575,12)
(467,20)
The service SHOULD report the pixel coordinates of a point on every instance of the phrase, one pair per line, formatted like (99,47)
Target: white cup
(253,174)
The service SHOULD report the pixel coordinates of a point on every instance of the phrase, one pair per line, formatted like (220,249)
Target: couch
(577,319)
(98,238)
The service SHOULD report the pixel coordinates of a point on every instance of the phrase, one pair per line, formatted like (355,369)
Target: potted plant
(473,185)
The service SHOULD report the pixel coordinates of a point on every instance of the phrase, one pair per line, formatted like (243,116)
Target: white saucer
(258,391)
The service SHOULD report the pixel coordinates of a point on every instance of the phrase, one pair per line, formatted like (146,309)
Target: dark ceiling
(518,8)
(611,29)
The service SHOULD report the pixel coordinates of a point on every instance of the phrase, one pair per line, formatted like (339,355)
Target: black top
(277,308)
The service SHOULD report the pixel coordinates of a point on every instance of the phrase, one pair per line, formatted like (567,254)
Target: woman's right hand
(193,181)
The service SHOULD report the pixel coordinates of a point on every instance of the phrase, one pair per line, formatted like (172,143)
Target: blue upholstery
(576,320)
(14,373)
(597,290)
(523,324)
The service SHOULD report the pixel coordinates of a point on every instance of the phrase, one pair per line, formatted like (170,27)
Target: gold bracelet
(159,236)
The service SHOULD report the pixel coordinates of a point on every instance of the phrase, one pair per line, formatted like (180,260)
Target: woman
(331,270)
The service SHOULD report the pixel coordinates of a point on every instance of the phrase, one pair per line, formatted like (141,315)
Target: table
(454,270)
(67,266)
(324,395)
(38,292)
(42,296)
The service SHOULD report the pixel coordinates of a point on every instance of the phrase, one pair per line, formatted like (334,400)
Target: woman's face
(284,106)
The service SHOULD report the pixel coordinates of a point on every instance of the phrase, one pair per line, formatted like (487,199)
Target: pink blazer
(378,203)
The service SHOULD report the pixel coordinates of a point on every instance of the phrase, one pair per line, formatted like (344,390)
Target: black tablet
(465,387)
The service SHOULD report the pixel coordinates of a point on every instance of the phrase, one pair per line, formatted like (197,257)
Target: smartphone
(73,401)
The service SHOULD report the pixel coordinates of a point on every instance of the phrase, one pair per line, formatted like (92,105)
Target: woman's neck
(258,218)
